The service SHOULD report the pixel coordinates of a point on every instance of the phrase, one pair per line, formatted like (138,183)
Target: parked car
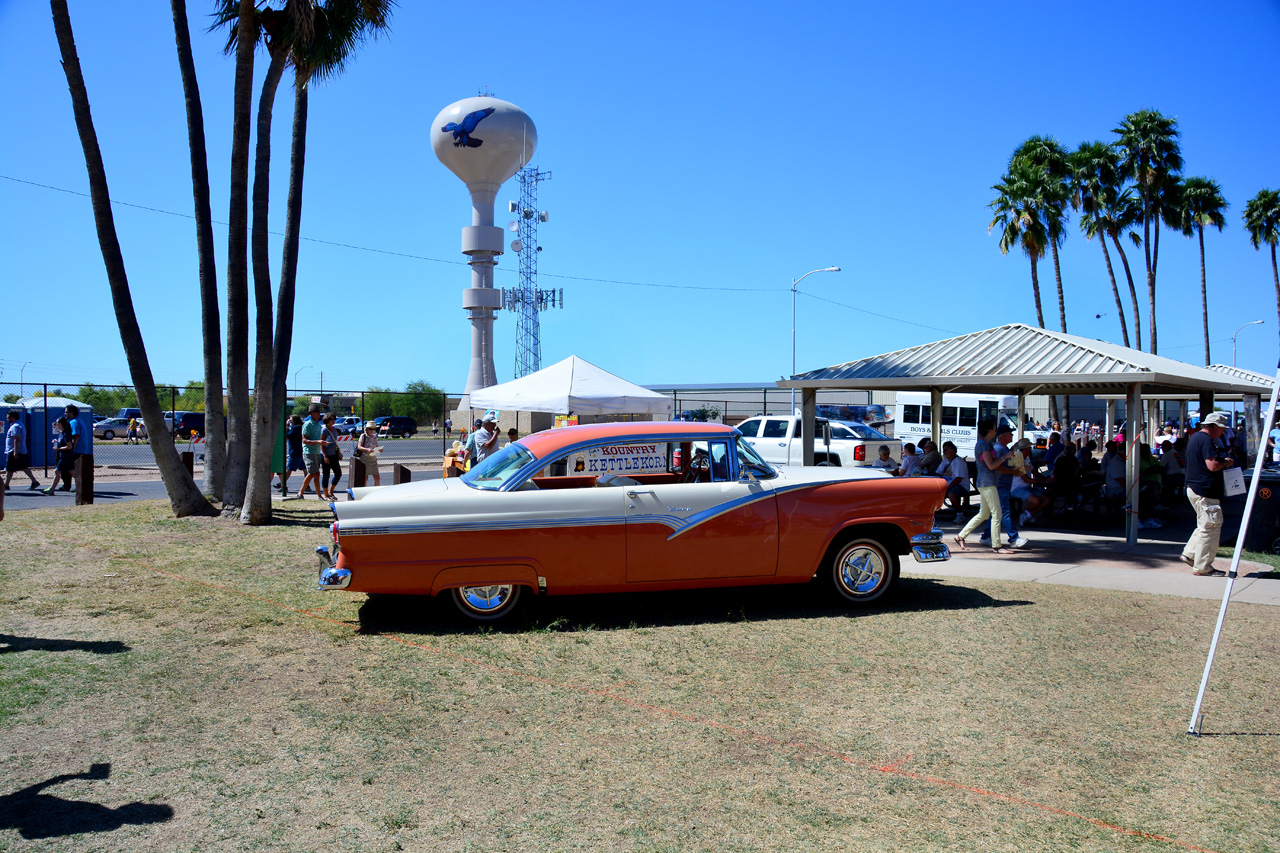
(185,423)
(348,425)
(116,428)
(397,425)
(630,506)
(778,438)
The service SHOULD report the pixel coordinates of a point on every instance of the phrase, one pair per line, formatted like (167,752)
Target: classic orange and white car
(630,506)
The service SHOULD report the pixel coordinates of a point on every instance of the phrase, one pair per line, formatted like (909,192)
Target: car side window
(711,461)
(750,429)
(774,428)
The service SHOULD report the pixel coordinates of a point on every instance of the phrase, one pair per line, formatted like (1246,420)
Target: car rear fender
(479,575)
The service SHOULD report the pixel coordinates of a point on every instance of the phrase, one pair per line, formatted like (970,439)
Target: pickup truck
(778,439)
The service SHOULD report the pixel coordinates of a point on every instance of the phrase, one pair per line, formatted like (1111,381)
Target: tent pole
(1193,728)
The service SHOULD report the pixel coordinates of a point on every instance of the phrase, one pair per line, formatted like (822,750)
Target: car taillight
(860,453)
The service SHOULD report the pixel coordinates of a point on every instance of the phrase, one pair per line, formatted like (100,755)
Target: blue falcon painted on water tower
(462,132)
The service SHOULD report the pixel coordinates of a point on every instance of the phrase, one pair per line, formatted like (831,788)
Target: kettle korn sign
(622,459)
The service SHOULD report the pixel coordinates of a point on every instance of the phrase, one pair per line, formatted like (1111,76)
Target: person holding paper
(1205,489)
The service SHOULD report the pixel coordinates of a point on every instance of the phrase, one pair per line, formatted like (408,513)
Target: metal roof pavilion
(1021,359)
(1018,358)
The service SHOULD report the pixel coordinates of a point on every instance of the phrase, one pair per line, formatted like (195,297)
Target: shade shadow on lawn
(11,643)
(39,815)
(425,615)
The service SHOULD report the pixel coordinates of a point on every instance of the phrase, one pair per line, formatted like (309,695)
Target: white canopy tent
(58,403)
(573,386)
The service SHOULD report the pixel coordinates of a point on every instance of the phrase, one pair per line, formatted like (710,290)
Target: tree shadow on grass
(11,643)
(38,815)
(621,611)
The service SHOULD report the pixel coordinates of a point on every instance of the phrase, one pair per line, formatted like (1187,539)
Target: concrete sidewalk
(1101,559)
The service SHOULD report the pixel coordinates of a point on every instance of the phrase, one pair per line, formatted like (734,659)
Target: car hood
(375,501)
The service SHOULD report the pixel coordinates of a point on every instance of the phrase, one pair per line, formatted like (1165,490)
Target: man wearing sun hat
(486,437)
(1206,461)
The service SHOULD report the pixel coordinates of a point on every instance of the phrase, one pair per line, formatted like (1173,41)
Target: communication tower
(527,300)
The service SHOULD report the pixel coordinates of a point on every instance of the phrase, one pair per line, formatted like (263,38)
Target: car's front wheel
(863,570)
(107,435)
(486,603)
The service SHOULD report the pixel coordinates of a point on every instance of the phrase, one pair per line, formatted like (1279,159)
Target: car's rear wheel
(486,603)
(863,570)
(107,435)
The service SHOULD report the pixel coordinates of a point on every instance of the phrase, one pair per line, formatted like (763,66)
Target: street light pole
(22,386)
(1238,331)
(1233,359)
(295,375)
(794,282)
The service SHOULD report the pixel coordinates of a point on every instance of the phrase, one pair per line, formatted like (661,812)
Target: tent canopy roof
(1018,358)
(575,386)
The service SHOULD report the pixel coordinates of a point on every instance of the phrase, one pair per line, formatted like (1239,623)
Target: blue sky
(702,157)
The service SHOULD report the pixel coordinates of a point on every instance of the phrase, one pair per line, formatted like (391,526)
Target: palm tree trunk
(210,319)
(1062,317)
(257,501)
(239,421)
(1133,292)
(1151,286)
(184,497)
(1275,274)
(1115,289)
(1204,300)
(1035,290)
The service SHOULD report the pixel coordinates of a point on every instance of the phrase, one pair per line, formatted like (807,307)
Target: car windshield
(498,468)
(863,431)
(749,460)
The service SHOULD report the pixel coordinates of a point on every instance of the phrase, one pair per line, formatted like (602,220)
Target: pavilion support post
(1182,417)
(1206,404)
(809,419)
(1022,412)
(1109,430)
(1252,424)
(1153,419)
(935,401)
(1132,437)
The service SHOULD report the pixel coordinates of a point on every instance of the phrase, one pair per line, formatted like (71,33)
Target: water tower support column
(482,243)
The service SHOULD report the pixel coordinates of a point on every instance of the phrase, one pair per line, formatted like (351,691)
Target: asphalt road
(112,491)
(404,451)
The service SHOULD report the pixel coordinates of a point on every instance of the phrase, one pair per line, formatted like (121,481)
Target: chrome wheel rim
(486,599)
(861,571)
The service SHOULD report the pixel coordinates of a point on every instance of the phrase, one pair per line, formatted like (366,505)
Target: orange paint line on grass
(893,768)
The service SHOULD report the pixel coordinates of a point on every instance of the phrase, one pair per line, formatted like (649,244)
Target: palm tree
(210,320)
(319,40)
(1020,213)
(184,497)
(1047,152)
(1202,204)
(239,425)
(1095,178)
(1150,156)
(1262,221)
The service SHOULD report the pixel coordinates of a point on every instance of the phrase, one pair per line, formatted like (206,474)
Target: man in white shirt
(955,470)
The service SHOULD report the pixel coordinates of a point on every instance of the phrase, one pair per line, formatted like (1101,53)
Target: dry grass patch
(967,715)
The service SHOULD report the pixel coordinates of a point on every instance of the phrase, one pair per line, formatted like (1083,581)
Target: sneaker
(959,518)
(1212,573)
(1017,543)
(34,485)
(65,489)
(1190,562)
(1025,518)
(47,491)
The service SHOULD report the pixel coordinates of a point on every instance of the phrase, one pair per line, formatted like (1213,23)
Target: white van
(960,416)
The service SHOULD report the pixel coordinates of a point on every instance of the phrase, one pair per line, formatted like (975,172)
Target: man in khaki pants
(1205,490)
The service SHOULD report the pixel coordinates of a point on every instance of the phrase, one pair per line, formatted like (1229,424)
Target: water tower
(484,141)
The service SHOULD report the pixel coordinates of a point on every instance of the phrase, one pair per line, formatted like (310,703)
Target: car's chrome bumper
(331,577)
(929,547)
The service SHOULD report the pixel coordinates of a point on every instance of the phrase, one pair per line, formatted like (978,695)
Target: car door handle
(631,493)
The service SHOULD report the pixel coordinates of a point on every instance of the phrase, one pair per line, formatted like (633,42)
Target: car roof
(550,441)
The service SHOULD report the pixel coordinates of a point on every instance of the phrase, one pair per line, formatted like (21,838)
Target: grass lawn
(182,687)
